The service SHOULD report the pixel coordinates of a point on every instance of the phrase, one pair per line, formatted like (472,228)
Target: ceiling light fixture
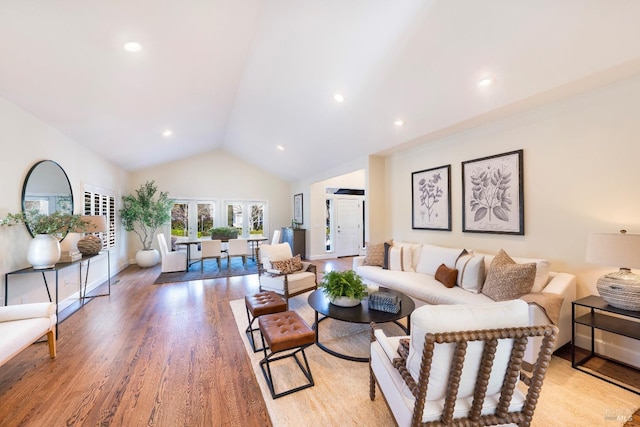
(338,97)
(399,123)
(167,133)
(280,147)
(132,46)
(486,81)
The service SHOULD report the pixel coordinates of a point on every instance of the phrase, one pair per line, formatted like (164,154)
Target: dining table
(254,243)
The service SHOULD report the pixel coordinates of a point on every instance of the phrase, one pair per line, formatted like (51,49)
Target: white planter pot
(147,258)
(44,251)
(345,301)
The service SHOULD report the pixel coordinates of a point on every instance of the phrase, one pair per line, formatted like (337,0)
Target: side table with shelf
(604,317)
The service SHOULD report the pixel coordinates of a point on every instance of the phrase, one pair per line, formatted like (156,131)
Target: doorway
(345,225)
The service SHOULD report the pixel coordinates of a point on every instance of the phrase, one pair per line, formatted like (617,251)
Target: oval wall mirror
(47,190)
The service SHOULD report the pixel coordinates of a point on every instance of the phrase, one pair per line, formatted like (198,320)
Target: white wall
(580,176)
(26,140)
(217,175)
(316,243)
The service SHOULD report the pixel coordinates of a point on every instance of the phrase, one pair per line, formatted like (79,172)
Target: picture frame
(493,194)
(298,209)
(431,199)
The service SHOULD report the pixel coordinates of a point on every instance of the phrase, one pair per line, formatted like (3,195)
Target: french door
(249,217)
(192,219)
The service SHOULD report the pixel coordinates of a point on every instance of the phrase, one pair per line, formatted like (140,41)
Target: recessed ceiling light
(280,147)
(167,133)
(399,122)
(338,97)
(486,81)
(132,46)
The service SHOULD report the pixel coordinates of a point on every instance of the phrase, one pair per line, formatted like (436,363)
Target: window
(102,202)
(249,217)
(192,219)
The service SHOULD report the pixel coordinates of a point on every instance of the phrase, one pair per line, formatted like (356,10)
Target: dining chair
(171,261)
(276,237)
(211,249)
(237,248)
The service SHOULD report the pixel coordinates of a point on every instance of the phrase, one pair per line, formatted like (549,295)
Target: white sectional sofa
(21,325)
(411,269)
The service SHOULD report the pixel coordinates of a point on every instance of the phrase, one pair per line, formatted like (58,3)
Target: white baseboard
(622,349)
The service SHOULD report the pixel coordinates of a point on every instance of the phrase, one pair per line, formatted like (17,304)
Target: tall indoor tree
(143,213)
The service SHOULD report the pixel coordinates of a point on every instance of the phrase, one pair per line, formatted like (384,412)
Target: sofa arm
(562,284)
(357,262)
(27,311)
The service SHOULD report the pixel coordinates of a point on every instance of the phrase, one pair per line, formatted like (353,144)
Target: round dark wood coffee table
(358,314)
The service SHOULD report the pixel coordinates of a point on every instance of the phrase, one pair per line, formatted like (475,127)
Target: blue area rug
(210,271)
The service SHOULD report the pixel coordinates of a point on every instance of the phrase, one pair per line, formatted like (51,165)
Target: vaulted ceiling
(248,76)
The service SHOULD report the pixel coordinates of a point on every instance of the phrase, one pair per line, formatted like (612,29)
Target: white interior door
(348,226)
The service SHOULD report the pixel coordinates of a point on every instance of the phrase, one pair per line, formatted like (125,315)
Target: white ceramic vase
(44,251)
(345,301)
(147,258)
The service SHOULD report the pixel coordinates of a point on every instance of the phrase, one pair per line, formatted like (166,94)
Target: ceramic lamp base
(624,294)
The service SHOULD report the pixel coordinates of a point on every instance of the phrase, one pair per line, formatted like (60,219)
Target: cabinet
(604,317)
(296,237)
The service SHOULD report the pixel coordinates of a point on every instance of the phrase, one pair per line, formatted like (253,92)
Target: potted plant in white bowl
(47,231)
(143,213)
(343,288)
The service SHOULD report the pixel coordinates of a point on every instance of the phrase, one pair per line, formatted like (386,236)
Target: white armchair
(280,281)
(171,261)
(461,365)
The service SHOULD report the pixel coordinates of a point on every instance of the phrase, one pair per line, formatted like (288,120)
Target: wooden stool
(283,332)
(259,304)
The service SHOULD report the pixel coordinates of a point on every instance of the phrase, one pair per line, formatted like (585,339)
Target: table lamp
(621,289)
(91,244)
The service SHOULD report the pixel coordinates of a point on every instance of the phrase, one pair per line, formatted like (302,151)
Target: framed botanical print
(431,199)
(493,194)
(297,208)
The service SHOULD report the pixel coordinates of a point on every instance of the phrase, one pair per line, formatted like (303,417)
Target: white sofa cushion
(420,286)
(451,318)
(471,272)
(432,256)
(411,252)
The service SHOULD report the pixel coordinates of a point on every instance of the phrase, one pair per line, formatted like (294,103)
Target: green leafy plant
(224,232)
(343,283)
(145,212)
(56,223)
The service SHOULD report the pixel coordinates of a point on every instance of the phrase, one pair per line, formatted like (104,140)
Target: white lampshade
(620,289)
(97,223)
(621,250)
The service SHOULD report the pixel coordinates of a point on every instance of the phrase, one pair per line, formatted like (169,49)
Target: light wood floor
(164,355)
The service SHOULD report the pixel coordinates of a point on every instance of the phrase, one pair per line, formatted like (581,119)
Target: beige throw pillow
(375,254)
(507,280)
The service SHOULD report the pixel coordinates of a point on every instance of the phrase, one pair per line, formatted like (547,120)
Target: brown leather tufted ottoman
(284,332)
(259,304)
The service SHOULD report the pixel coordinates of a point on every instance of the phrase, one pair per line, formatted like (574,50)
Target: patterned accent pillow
(508,280)
(375,254)
(447,276)
(287,266)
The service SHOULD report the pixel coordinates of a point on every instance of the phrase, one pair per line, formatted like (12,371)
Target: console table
(622,322)
(56,268)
